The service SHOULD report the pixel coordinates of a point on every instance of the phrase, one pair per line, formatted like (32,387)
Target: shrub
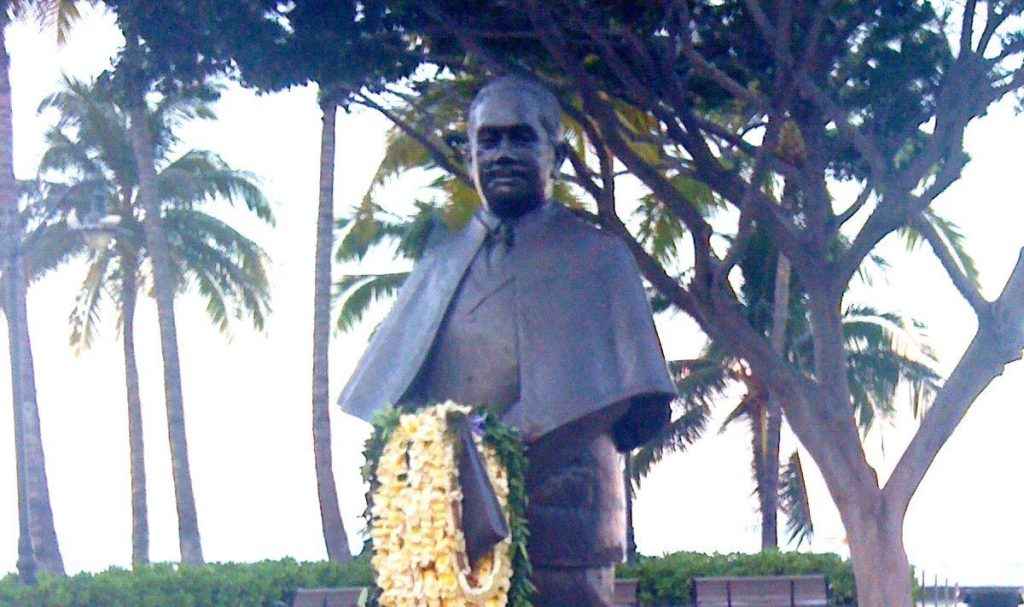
(262,584)
(665,580)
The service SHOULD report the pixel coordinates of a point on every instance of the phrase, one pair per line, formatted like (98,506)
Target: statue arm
(646,416)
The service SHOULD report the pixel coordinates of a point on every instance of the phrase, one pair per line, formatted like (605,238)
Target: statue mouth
(504,176)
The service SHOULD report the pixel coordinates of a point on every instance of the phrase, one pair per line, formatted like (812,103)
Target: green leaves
(93,169)
(357,292)
(793,501)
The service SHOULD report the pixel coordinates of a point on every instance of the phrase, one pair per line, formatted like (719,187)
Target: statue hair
(546,102)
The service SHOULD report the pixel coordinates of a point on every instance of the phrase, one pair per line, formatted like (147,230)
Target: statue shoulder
(591,245)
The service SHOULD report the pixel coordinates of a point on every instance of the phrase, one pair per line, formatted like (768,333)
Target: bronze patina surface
(543,318)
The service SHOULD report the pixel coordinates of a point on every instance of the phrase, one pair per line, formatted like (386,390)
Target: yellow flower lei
(419,548)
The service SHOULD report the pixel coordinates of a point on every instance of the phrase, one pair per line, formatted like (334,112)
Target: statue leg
(574,586)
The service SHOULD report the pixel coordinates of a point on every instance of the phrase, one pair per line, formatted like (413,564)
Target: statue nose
(504,148)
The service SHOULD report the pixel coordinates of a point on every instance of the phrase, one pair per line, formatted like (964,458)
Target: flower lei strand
(419,551)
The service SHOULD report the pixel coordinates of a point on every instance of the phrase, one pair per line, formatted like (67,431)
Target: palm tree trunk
(37,542)
(163,289)
(627,479)
(330,514)
(9,232)
(769,491)
(44,533)
(137,455)
(773,412)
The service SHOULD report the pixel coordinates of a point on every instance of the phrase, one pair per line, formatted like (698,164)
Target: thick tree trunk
(330,514)
(627,479)
(880,564)
(163,289)
(137,456)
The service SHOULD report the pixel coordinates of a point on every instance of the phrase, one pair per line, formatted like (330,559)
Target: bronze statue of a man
(542,318)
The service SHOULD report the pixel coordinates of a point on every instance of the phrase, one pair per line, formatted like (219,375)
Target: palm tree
(92,152)
(37,542)
(335,537)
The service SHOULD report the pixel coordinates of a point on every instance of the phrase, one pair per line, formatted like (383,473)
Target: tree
(740,97)
(92,171)
(37,542)
(184,70)
(876,93)
(342,46)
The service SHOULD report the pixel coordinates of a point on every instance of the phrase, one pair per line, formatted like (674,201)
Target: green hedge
(666,580)
(263,584)
(663,581)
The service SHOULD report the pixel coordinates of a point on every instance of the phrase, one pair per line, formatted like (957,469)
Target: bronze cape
(586,339)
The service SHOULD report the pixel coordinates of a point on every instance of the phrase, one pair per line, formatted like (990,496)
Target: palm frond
(885,351)
(63,155)
(85,314)
(356,292)
(58,14)
(171,112)
(460,203)
(228,269)
(952,237)
(687,426)
(793,501)
(659,230)
(369,226)
(401,153)
(49,246)
(201,176)
(701,380)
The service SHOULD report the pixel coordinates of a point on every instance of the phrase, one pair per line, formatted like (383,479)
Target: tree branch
(967,27)
(857,205)
(762,22)
(960,280)
(867,150)
(433,148)
(992,22)
(707,70)
(998,342)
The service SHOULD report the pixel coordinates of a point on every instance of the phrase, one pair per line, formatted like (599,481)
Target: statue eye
(487,138)
(522,135)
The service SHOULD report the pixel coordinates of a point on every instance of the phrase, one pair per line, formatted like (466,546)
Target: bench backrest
(625,593)
(768,591)
(327,597)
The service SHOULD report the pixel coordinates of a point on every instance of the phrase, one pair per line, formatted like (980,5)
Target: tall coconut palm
(335,537)
(93,168)
(37,535)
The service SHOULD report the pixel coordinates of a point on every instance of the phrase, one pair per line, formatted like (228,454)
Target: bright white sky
(248,400)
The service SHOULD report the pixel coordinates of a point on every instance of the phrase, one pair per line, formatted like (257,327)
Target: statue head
(515,133)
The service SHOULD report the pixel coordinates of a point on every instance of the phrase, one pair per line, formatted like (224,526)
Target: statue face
(513,159)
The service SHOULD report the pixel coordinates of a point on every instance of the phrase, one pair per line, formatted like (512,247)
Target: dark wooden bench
(328,597)
(625,596)
(768,591)
(625,593)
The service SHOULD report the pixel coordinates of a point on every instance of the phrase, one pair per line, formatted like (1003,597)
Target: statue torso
(474,359)
(574,478)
